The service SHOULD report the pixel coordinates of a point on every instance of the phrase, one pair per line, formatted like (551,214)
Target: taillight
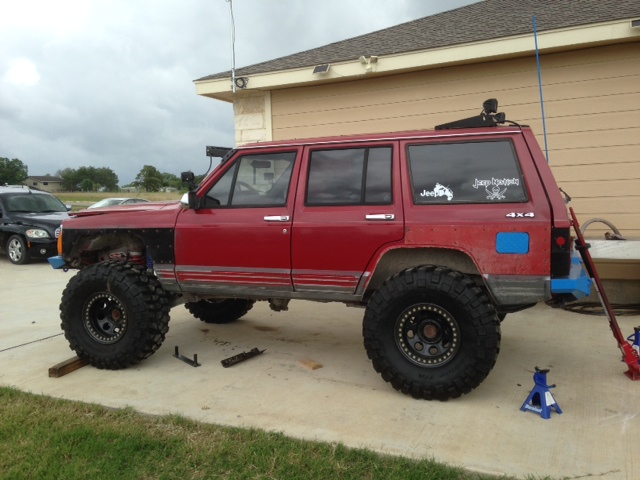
(560,252)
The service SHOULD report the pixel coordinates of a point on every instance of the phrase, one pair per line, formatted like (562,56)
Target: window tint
(254,180)
(351,176)
(472,172)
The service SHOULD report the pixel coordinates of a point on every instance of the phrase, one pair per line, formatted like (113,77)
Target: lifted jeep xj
(437,234)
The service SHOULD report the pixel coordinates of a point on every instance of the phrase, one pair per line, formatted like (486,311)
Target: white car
(110,202)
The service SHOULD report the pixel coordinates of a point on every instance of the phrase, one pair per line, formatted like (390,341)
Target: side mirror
(190,200)
(68,207)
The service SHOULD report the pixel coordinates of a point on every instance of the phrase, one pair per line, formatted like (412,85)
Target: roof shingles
(480,21)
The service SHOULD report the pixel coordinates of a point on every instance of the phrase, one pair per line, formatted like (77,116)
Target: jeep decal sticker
(495,193)
(438,191)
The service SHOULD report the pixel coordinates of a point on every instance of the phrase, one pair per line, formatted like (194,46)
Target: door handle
(276,218)
(381,216)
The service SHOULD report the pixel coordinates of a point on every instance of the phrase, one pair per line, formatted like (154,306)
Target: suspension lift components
(193,363)
(241,357)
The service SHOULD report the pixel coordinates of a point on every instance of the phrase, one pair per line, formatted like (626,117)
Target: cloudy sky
(109,83)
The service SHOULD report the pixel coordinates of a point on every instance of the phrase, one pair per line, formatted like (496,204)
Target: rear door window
(350,176)
(469,172)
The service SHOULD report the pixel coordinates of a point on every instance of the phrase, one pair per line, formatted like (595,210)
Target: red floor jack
(630,351)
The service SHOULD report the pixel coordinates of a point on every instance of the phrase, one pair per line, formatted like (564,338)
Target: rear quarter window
(469,172)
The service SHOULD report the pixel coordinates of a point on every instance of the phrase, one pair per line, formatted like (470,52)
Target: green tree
(171,180)
(107,179)
(12,172)
(79,179)
(150,179)
(87,185)
(69,179)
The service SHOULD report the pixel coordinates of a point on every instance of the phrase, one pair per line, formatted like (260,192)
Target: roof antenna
(233,47)
(544,121)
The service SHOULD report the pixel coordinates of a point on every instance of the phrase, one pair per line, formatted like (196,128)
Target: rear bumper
(577,284)
(513,290)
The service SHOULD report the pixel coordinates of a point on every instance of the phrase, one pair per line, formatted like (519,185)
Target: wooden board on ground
(67,366)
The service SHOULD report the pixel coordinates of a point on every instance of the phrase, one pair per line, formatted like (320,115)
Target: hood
(48,221)
(133,216)
(131,208)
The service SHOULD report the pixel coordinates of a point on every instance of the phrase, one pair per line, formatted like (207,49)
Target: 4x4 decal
(520,214)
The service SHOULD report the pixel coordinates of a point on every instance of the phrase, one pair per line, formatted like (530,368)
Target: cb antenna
(233,47)
(544,121)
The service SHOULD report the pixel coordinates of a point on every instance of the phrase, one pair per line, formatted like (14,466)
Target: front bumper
(57,262)
(41,248)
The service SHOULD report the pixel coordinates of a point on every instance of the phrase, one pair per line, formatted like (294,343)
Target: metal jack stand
(540,399)
(629,355)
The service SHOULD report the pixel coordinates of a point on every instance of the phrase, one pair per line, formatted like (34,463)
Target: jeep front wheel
(432,333)
(114,314)
(220,311)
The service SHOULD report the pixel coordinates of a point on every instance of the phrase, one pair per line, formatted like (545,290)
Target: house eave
(490,50)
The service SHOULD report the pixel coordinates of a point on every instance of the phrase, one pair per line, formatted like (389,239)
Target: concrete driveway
(314,381)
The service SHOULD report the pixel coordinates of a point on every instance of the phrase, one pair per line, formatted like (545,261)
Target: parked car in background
(110,202)
(29,223)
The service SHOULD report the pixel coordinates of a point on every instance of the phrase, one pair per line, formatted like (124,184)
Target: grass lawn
(42,437)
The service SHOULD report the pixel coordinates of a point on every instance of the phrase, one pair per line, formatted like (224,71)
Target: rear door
(348,207)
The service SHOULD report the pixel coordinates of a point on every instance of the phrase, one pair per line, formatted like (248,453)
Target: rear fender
(397,260)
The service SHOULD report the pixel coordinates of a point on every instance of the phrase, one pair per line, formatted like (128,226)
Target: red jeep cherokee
(438,234)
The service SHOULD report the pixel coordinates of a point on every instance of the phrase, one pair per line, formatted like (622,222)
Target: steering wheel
(240,185)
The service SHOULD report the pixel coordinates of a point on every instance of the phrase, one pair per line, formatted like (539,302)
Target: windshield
(34,203)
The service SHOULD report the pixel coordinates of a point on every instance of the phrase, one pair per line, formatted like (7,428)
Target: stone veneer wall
(252,113)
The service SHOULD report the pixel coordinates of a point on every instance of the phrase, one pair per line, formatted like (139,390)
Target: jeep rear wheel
(17,250)
(432,333)
(114,314)
(220,311)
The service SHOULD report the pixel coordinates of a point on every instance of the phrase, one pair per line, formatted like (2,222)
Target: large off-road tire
(220,311)
(432,333)
(17,250)
(114,314)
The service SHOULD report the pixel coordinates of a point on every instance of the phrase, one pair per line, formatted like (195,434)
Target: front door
(239,240)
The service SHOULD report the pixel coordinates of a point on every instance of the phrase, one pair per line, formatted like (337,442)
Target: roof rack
(487,118)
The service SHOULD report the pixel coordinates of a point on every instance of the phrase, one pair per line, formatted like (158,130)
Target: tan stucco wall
(592,103)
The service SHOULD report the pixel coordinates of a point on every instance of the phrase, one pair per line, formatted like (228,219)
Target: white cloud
(114,77)
(22,72)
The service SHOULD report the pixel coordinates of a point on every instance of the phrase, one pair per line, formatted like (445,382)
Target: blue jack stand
(540,399)
(635,340)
